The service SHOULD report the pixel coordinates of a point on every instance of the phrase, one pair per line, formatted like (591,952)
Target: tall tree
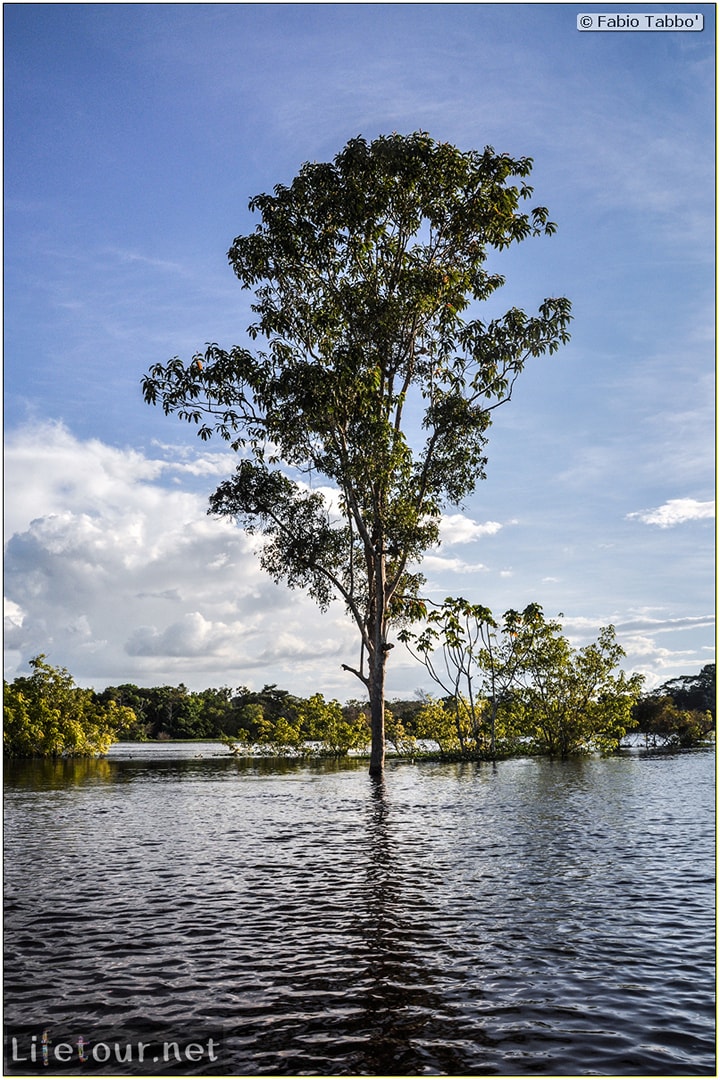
(370,376)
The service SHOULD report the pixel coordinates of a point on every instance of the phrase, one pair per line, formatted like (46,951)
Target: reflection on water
(40,775)
(529,918)
(397,1000)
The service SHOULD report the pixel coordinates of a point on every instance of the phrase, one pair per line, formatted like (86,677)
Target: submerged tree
(574,700)
(476,662)
(370,378)
(524,671)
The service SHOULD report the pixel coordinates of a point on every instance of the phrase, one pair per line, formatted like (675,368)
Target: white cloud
(458,529)
(119,578)
(13,620)
(669,625)
(192,635)
(117,573)
(656,663)
(641,623)
(295,647)
(675,512)
(440,563)
(50,472)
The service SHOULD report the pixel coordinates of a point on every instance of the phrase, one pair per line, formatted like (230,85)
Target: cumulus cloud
(444,564)
(296,647)
(192,635)
(656,663)
(675,512)
(114,570)
(50,472)
(117,573)
(458,529)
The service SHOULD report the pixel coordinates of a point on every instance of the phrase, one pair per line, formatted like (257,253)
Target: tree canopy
(47,715)
(375,377)
(521,678)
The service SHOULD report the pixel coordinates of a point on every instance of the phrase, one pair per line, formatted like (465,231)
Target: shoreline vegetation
(48,716)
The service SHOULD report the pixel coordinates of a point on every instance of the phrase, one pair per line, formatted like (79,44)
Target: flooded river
(532,918)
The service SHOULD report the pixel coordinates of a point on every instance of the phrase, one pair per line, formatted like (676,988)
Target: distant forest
(562,712)
(674,712)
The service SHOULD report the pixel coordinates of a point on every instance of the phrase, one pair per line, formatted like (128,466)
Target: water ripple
(535,918)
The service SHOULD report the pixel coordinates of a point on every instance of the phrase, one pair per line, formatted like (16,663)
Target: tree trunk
(493,718)
(376,689)
(377,653)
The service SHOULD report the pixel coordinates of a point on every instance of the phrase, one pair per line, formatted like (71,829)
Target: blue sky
(135,136)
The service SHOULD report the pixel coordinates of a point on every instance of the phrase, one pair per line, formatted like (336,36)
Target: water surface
(534,918)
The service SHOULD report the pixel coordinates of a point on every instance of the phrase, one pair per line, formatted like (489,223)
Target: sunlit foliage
(47,715)
(520,681)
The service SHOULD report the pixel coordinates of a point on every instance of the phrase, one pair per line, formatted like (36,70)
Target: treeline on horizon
(680,712)
(47,715)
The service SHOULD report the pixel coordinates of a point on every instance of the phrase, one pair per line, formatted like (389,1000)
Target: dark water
(537,918)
